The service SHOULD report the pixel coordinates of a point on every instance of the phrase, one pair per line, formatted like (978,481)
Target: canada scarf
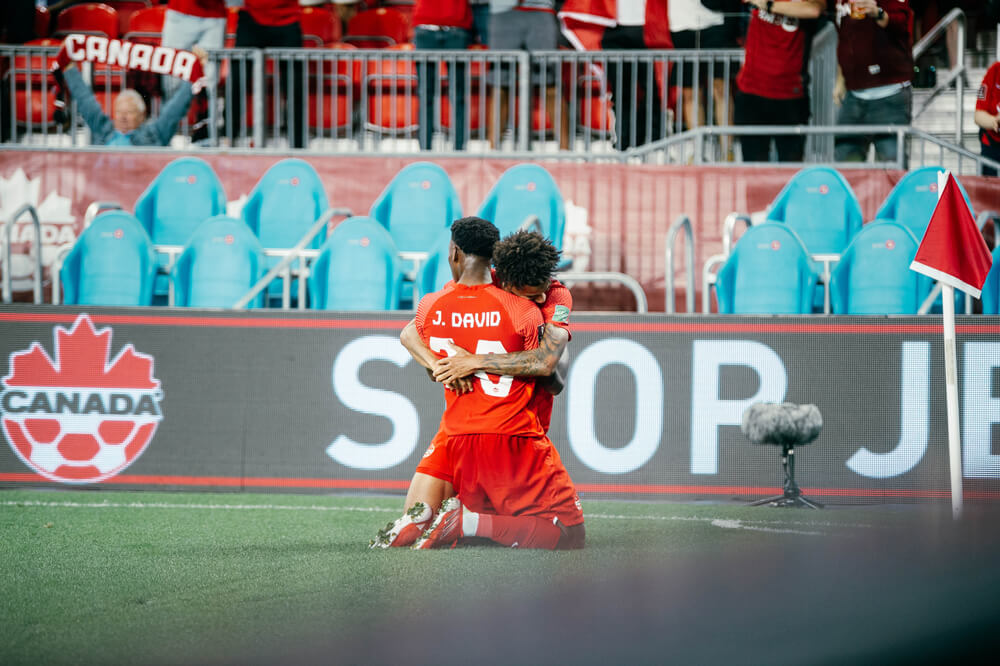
(130,55)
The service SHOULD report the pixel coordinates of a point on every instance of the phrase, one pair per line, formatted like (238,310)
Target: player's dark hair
(475,236)
(525,259)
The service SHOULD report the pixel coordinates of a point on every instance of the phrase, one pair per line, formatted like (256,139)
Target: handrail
(708,280)
(956,75)
(729,228)
(8,229)
(262,283)
(666,144)
(531,223)
(56,271)
(96,208)
(682,222)
(569,277)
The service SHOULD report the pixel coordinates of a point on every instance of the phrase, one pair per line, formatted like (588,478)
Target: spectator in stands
(263,24)
(129,125)
(772,87)
(987,117)
(188,23)
(442,25)
(702,24)
(875,63)
(480,21)
(624,24)
(527,25)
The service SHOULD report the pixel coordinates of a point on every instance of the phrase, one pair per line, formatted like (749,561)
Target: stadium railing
(355,100)
(8,227)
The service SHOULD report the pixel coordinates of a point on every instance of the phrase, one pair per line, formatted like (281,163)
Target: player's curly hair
(476,236)
(525,259)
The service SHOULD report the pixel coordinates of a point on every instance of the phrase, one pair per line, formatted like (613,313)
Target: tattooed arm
(540,362)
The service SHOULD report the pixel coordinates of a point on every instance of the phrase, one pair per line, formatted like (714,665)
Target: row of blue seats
(416,209)
(770,272)
(114,263)
(773,270)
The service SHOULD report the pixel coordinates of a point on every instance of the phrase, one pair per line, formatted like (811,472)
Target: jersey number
(497,389)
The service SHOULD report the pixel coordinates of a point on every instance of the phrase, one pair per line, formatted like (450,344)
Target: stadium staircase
(938,118)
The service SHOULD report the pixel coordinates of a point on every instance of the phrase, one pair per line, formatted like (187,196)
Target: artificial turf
(155,578)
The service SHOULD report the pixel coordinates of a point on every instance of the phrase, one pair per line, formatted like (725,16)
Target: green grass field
(148,578)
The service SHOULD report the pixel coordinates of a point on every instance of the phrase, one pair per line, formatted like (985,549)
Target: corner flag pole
(951,397)
(951,384)
(953,252)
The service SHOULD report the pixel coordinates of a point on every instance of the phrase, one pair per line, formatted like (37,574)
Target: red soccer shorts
(435,461)
(513,476)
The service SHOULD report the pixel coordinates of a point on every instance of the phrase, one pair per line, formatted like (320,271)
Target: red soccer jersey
(273,12)
(484,319)
(555,310)
(777,56)
(201,8)
(988,99)
(451,13)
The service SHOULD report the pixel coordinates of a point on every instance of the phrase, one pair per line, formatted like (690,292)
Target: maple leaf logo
(83,417)
(82,360)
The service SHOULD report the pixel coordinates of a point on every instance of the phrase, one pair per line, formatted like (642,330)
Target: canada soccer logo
(80,416)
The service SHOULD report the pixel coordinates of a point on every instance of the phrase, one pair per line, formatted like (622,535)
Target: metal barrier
(283,267)
(7,268)
(339,100)
(569,278)
(920,148)
(590,104)
(681,223)
(956,76)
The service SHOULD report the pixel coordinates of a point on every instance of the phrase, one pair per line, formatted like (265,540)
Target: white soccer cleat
(404,530)
(446,529)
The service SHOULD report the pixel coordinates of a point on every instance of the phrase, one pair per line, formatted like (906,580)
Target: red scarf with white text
(132,55)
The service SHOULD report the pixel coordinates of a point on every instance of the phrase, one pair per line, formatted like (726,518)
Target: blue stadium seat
(111,263)
(183,195)
(415,207)
(358,268)
(522,191)
(283,205)
(991,288)
(220,263)
(436,271)
(768,272)
(912,201)
(820,206)
(874,276)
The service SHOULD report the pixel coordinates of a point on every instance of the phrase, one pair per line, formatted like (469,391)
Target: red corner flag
(953,251)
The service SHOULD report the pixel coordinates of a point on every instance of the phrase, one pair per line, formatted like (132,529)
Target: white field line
(758,525)
(739,525)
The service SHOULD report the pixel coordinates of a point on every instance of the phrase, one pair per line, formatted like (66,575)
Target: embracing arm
(411,340)
(421,353)
(539,362)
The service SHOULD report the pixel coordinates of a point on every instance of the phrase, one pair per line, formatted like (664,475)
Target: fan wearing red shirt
(511,486)
(525,262)
(987,117)
(772,86)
